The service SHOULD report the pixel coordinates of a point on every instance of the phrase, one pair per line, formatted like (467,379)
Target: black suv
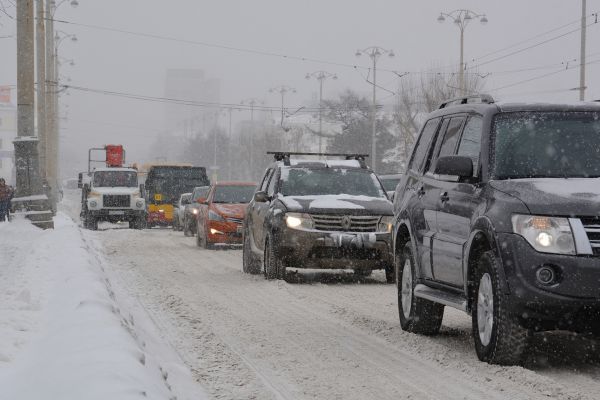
(322,214)
(498,215)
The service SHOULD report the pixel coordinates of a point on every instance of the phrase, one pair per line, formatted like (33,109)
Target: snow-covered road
(247,338)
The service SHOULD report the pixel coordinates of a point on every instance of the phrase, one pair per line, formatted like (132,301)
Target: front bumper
(224,232)
(335,250)
(572,302)
(115,215)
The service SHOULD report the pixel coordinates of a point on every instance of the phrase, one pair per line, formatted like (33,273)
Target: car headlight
(545,234)
(139,203)
(195,211)
(213,216)
(385,224)
(299,221)
(93,203)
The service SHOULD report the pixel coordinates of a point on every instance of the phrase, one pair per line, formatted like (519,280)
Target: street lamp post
(321,76)
(252,102)
(461,19)
(282,90)
(374,52)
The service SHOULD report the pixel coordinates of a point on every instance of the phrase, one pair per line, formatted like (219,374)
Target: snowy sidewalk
(68,332)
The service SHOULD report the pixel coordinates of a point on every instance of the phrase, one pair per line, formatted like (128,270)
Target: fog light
(93,203)
(546,275)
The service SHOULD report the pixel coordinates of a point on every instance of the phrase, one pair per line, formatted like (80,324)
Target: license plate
(240,229)
(116,212)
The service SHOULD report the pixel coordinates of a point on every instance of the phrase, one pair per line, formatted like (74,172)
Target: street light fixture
(374,52)
(461,19)
(282,90)
(321,76)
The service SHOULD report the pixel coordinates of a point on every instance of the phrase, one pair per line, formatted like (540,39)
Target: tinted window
(272,182)
(451,137)
(200,192)
(329,181)
(265,181)
(470,143)
(233,194)
(422,146)
(547,145)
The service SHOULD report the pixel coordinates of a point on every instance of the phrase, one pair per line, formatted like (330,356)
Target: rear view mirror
(80,180)
(454,166)
(261,197)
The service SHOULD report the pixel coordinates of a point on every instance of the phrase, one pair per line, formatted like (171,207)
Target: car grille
(116,200)
(235,220)
(592,228)
(354,223)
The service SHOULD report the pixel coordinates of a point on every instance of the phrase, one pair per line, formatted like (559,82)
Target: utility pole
(252,102)
(582,56)
(282,90)
(29,200)
(41,86)
(229,147)
(374,53)
(321,76)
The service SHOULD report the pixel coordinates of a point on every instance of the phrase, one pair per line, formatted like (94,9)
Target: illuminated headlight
(299,221)
(161,211)
(215,232)
(213,216)
(385,224)
(139,203)
(545,234)
(195,211)
(93,203)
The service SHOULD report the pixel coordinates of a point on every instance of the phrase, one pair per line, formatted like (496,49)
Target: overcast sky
(329,30)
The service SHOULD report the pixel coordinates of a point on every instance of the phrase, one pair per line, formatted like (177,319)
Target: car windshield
(329,181)
(547,145)
(235,194)
(199,192)
(390,183)
(115,179)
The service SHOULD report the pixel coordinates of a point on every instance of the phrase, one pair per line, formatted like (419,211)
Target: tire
(416,315)
(250,264)
(505,342)
(138,223)
(273,265)
(390,274)
(186,229)
(175,223)
(93,223)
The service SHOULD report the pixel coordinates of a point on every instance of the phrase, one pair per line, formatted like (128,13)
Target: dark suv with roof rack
(321,214)
(498,215)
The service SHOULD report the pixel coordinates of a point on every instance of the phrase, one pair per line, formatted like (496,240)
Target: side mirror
(459,166)
(202,200)
(86,187)
(80,180)
(261,197)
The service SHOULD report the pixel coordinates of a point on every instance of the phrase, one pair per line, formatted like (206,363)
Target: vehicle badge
(346,222)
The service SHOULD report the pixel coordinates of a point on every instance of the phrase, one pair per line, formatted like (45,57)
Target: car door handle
(421,192)
(444,197)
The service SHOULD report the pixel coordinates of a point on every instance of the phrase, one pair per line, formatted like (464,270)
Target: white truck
(113,195)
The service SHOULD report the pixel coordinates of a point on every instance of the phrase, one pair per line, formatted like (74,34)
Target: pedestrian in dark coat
(5,196)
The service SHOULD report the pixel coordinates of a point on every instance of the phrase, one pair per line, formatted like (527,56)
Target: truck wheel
(273,266)
(416,315)
(93,223)
(499,339)
(250,264)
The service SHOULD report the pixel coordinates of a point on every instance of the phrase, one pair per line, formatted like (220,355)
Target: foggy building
(193,86)
(8,132)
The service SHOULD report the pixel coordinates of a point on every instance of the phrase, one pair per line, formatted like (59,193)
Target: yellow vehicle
(164,184)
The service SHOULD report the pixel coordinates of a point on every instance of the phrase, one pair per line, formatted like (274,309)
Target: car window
(422,145)
(449,139)
(272,183)
(470,142)
(265,181)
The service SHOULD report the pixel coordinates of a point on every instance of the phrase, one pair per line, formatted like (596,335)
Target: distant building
(191,85)
(8,132)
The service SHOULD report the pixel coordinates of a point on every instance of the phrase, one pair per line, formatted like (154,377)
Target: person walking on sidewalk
(5,196)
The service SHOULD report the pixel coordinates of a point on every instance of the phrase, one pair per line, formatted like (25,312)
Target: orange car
(222,213)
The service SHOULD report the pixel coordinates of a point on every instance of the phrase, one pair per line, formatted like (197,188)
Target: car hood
(230,210)
(338,204)
(116,190)
(555,196)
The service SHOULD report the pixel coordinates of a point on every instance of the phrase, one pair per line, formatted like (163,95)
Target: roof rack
(285,156)
(481,98)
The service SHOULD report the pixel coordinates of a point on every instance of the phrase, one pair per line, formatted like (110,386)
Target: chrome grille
(116,200)
(591,225)
(357,223)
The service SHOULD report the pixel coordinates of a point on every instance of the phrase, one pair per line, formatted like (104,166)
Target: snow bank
(64,332)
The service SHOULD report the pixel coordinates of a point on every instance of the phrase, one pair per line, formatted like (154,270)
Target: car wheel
(499,339)
(175,223)
(390,274)
(416,315)
(273,266)
(250,264)
(186,228)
